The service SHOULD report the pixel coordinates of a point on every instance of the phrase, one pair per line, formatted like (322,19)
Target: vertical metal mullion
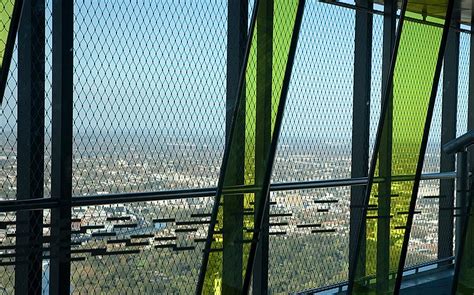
(387,83)
(265,189)
(30,165)
(233,211)
(469,240)
(361,115)
(448,132)
(239,100)
(263,135)
(470,103)
(389,36)
(61,170)
(424,142)
(385,160)
(463,260)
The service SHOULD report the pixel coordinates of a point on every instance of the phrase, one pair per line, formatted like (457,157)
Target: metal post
(263,135)
(361,117)
(385,154)
(470,126)
(226,159)
(233,209)
(263,201)
(448,133)
(30,169)
(470,107)
(61,170)
(462,186)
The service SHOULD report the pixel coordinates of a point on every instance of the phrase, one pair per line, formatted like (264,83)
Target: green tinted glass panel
(398,156)
(6,11)
(249,146)
(465,280)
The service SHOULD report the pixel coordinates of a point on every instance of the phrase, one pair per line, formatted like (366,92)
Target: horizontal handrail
(122,198)
(441,264)
(460,143)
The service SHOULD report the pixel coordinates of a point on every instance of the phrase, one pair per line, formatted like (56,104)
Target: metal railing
(176,195)
(436,265)
(91,152)
(105,199)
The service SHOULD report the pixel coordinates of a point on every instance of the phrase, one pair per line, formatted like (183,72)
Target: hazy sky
(161,65)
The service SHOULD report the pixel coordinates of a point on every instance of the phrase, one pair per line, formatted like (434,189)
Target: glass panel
(6,15)
(250,145)
(6,11)
(398,155)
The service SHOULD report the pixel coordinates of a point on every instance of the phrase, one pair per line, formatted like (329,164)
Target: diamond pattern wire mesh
(239,207)
(463,85)
(48,95)
(433,148)
(7,280)
(424,237)
(16,252)
(8,112)
(8,138)
(315,144)
(431,164)
(147,248)
(309,238)
(8,120)
(423,242)
(12,242)
(316,125)
(149,115)
(149,98)
(376,76)
(8,116)
(136,60)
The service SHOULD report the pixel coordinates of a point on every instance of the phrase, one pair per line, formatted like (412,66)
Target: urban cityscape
(158,244)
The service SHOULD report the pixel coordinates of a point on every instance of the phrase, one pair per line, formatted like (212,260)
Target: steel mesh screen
(423,244)
(24,235)
(8,117)
(463,85)
(150,115)
(19,248)
(309,239)
(147,247)
(315,144)
(149,97)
